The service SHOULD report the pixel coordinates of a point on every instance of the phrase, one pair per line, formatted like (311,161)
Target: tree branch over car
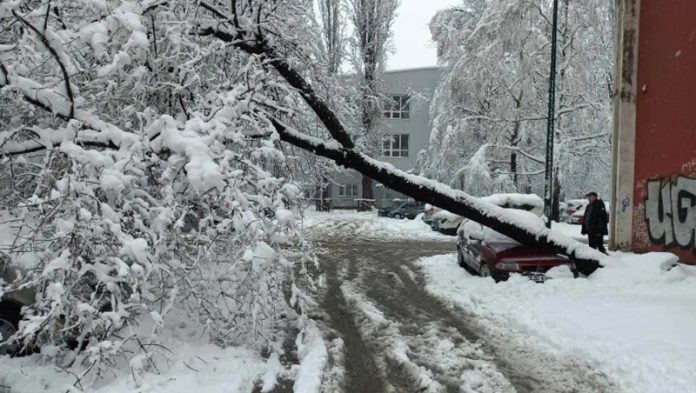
(250,40)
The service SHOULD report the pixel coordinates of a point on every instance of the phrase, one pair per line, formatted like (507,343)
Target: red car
(487,253)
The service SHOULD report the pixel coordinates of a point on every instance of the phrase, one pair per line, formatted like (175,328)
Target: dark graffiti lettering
(670,210)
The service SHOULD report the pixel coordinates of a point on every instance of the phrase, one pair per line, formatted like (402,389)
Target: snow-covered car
(13,299)
(428,212)
(569,207)
(11,303)
(488,253)
(404,210)
(445,222)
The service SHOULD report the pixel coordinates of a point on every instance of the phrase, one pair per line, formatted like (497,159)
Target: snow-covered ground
(200,368)
(193,364)
(634,320)
(367,225)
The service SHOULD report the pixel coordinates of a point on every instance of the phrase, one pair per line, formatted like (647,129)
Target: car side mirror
(476,236)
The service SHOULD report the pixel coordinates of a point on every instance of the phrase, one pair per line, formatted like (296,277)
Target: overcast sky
(412,42)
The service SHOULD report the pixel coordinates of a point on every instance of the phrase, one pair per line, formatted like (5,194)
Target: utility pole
(548,175)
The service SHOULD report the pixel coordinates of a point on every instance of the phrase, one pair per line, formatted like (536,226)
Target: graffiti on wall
(670,210)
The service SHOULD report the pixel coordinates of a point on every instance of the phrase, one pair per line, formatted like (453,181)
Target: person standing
(595,220)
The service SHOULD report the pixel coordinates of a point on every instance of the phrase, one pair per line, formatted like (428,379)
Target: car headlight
(507,266)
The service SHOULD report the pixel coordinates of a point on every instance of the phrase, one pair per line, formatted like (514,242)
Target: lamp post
(548,175)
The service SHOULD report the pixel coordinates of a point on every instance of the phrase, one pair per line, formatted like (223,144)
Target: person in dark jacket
(595,222)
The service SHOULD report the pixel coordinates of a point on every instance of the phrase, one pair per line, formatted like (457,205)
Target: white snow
(313,357)
(634,320)
(194,365)
(201,368)
(367,225)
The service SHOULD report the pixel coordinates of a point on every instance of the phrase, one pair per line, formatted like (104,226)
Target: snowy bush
(143,177)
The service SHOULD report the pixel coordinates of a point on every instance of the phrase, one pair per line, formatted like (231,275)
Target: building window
(348,190)
(395,146)
(397,107)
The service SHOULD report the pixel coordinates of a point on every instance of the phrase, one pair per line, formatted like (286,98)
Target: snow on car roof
(508,201)
(512,200)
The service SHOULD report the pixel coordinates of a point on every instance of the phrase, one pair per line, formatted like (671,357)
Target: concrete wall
(420,85)
(662,199)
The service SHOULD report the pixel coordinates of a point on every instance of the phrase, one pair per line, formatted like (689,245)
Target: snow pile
(313,357)
(634,320)
(193,364)
(201,368)
(366,225)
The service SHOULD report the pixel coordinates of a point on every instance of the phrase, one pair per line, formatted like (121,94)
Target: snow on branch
(419,188)
(60,59)
(239,37)
(438,194)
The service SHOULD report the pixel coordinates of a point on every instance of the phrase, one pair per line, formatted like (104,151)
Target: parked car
(12,301)
(11,304)
(488,253)
(405,210)
(445,222)
(428,212)
(578,218)
(569,207)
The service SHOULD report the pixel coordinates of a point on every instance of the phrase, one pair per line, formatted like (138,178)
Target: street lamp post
(548,175)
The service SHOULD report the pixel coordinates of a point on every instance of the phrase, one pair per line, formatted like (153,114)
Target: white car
(447,222)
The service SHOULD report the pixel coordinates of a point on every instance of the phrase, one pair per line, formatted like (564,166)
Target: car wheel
(460,258)
(484,270)
(397,216)
(10,314)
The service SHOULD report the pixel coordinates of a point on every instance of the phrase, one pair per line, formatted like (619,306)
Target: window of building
(397,107)
(348,190)
(395,146)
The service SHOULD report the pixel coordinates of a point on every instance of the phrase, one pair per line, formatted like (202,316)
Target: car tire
(485,271)
(10,315)
(460,258)
(397,216)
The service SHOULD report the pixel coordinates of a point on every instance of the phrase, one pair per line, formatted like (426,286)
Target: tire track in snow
(394,331)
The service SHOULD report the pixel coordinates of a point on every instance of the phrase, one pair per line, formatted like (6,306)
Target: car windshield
(489,235)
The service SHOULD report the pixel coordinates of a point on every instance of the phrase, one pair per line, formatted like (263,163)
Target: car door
(472,243)
(414,210)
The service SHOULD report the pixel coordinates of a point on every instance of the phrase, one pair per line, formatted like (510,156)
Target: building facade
(406,116)
(654,182)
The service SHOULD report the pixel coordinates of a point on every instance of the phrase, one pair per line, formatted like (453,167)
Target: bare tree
(372,22)
(333,23)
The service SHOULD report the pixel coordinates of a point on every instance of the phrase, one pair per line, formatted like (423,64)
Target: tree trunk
(438,194)
(514,141)
(368,191)
(556,198)
(424,190)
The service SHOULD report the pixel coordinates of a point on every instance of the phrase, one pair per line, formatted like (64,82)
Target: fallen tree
(252,40)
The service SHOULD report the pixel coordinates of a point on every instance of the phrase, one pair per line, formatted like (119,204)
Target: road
(387,334)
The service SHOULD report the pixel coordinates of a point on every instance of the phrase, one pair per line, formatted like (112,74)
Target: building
(654,182)
(407,118)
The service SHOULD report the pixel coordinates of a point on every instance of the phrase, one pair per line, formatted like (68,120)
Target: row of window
(395,146)
(351,190)
(348,190)
(397,107)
